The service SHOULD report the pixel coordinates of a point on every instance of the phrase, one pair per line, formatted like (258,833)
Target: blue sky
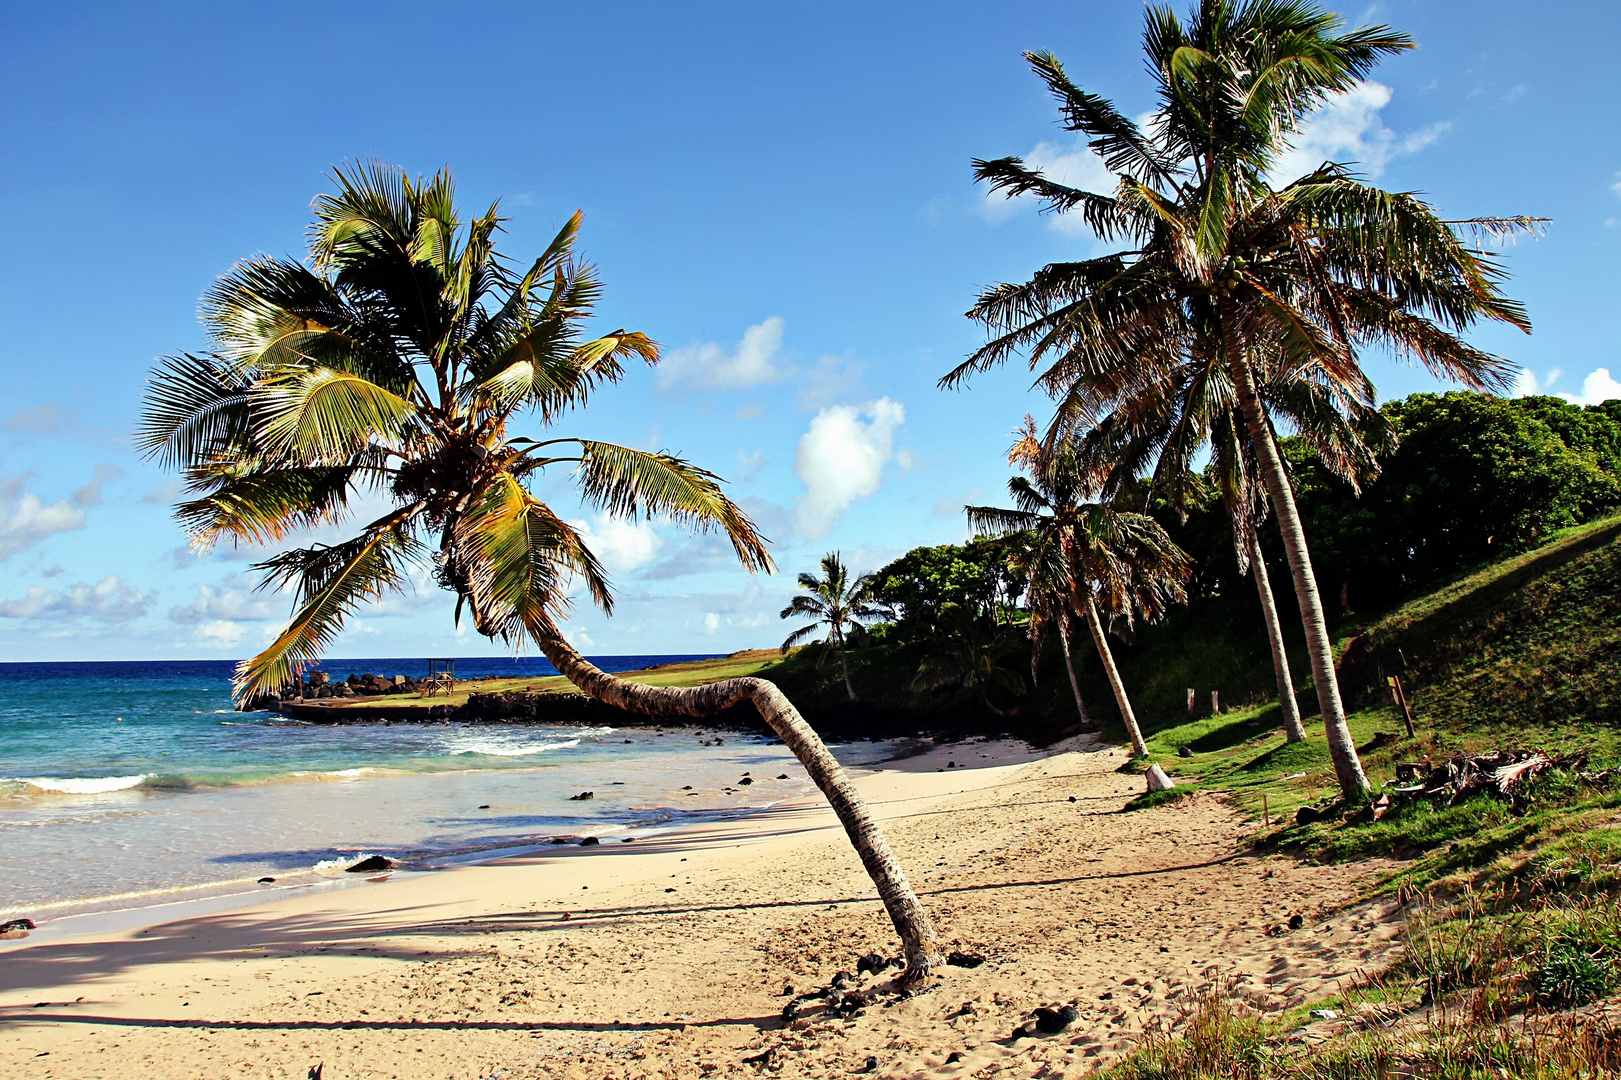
(780,194)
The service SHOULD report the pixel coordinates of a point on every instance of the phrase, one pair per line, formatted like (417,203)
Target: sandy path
(671,960)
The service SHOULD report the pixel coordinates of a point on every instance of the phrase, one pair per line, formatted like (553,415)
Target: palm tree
(835,602)
(1090,553)
(1220,265)
(1167,429)
(394,366)
(969,652)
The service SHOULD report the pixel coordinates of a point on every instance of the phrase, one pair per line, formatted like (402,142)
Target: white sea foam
(80,785)
(362,771)
(495,746)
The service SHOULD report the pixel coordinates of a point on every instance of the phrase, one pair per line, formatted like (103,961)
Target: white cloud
(213,605)
(1348,129)
(1074,166)
(1597,388)
(1528,383)
(220,632)
(711,622)
(710,367)
(26,519)
(109,600)
(622,545)
(841,459)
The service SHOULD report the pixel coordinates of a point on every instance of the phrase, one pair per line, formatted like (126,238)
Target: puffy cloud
(109,600)
(841,458)
(710,367)
(1598,387)
(622,545)
(26,519)
(220,632)
(1348,129)
(1073,166)
(222,604)
(1528,383)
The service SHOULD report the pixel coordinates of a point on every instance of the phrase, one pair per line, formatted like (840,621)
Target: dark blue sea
(129,783)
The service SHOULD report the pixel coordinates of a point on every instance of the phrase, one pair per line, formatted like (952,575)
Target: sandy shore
(670,958)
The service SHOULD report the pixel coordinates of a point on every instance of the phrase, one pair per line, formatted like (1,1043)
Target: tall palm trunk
(1292,727)
(1347,766)
(845,664)
(1069,666)
(905,911)
(1139,745)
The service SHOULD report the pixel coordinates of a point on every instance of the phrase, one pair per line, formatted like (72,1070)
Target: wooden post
(1399,695)
(1215,703)
(1190,701)
(1266,818)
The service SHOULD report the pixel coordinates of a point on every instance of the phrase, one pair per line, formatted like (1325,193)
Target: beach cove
(672,958)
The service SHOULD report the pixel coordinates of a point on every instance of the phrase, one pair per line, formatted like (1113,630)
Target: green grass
(1522,654)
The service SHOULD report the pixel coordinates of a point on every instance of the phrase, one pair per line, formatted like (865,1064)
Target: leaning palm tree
(1099,558)
(835,602)
(394,367)
(1219,265)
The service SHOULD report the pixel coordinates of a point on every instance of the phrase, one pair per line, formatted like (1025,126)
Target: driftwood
(1504,773)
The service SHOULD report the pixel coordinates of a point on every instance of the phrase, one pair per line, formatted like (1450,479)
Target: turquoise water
(128,783)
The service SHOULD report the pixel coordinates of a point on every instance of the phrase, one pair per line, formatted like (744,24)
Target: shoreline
(671,960)
(96,914)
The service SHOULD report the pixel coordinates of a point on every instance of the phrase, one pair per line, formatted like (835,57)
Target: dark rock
(1307,814)
(871,1065)
(1072,798)
(627,839)
(1052,1021)
(841,980)
(13,925)
(1296,922)
(965,959)
(558,840)
(686,787)
(267,881)
(874,963)
(765,1059)
(590,841)
(370,865)
(954,1057)
(582,796)
(1106,996)
(1020,1032)
(1186,751)
(484,806)
(746,780)
(951,764)
(782,776)
(787,991)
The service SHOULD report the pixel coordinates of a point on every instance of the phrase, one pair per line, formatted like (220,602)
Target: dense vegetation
(1475,479)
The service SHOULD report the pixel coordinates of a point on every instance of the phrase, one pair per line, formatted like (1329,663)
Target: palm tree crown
(393,366)
(837,602)
(1225,283)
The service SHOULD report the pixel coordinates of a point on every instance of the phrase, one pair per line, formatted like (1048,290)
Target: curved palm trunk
(1293,729)
(905,911)
(1139,745)
(1069,666)
(1347,766)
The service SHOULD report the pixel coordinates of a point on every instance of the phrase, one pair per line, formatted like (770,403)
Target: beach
(674,957)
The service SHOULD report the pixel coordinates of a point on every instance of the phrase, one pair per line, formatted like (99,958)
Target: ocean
(125,784)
